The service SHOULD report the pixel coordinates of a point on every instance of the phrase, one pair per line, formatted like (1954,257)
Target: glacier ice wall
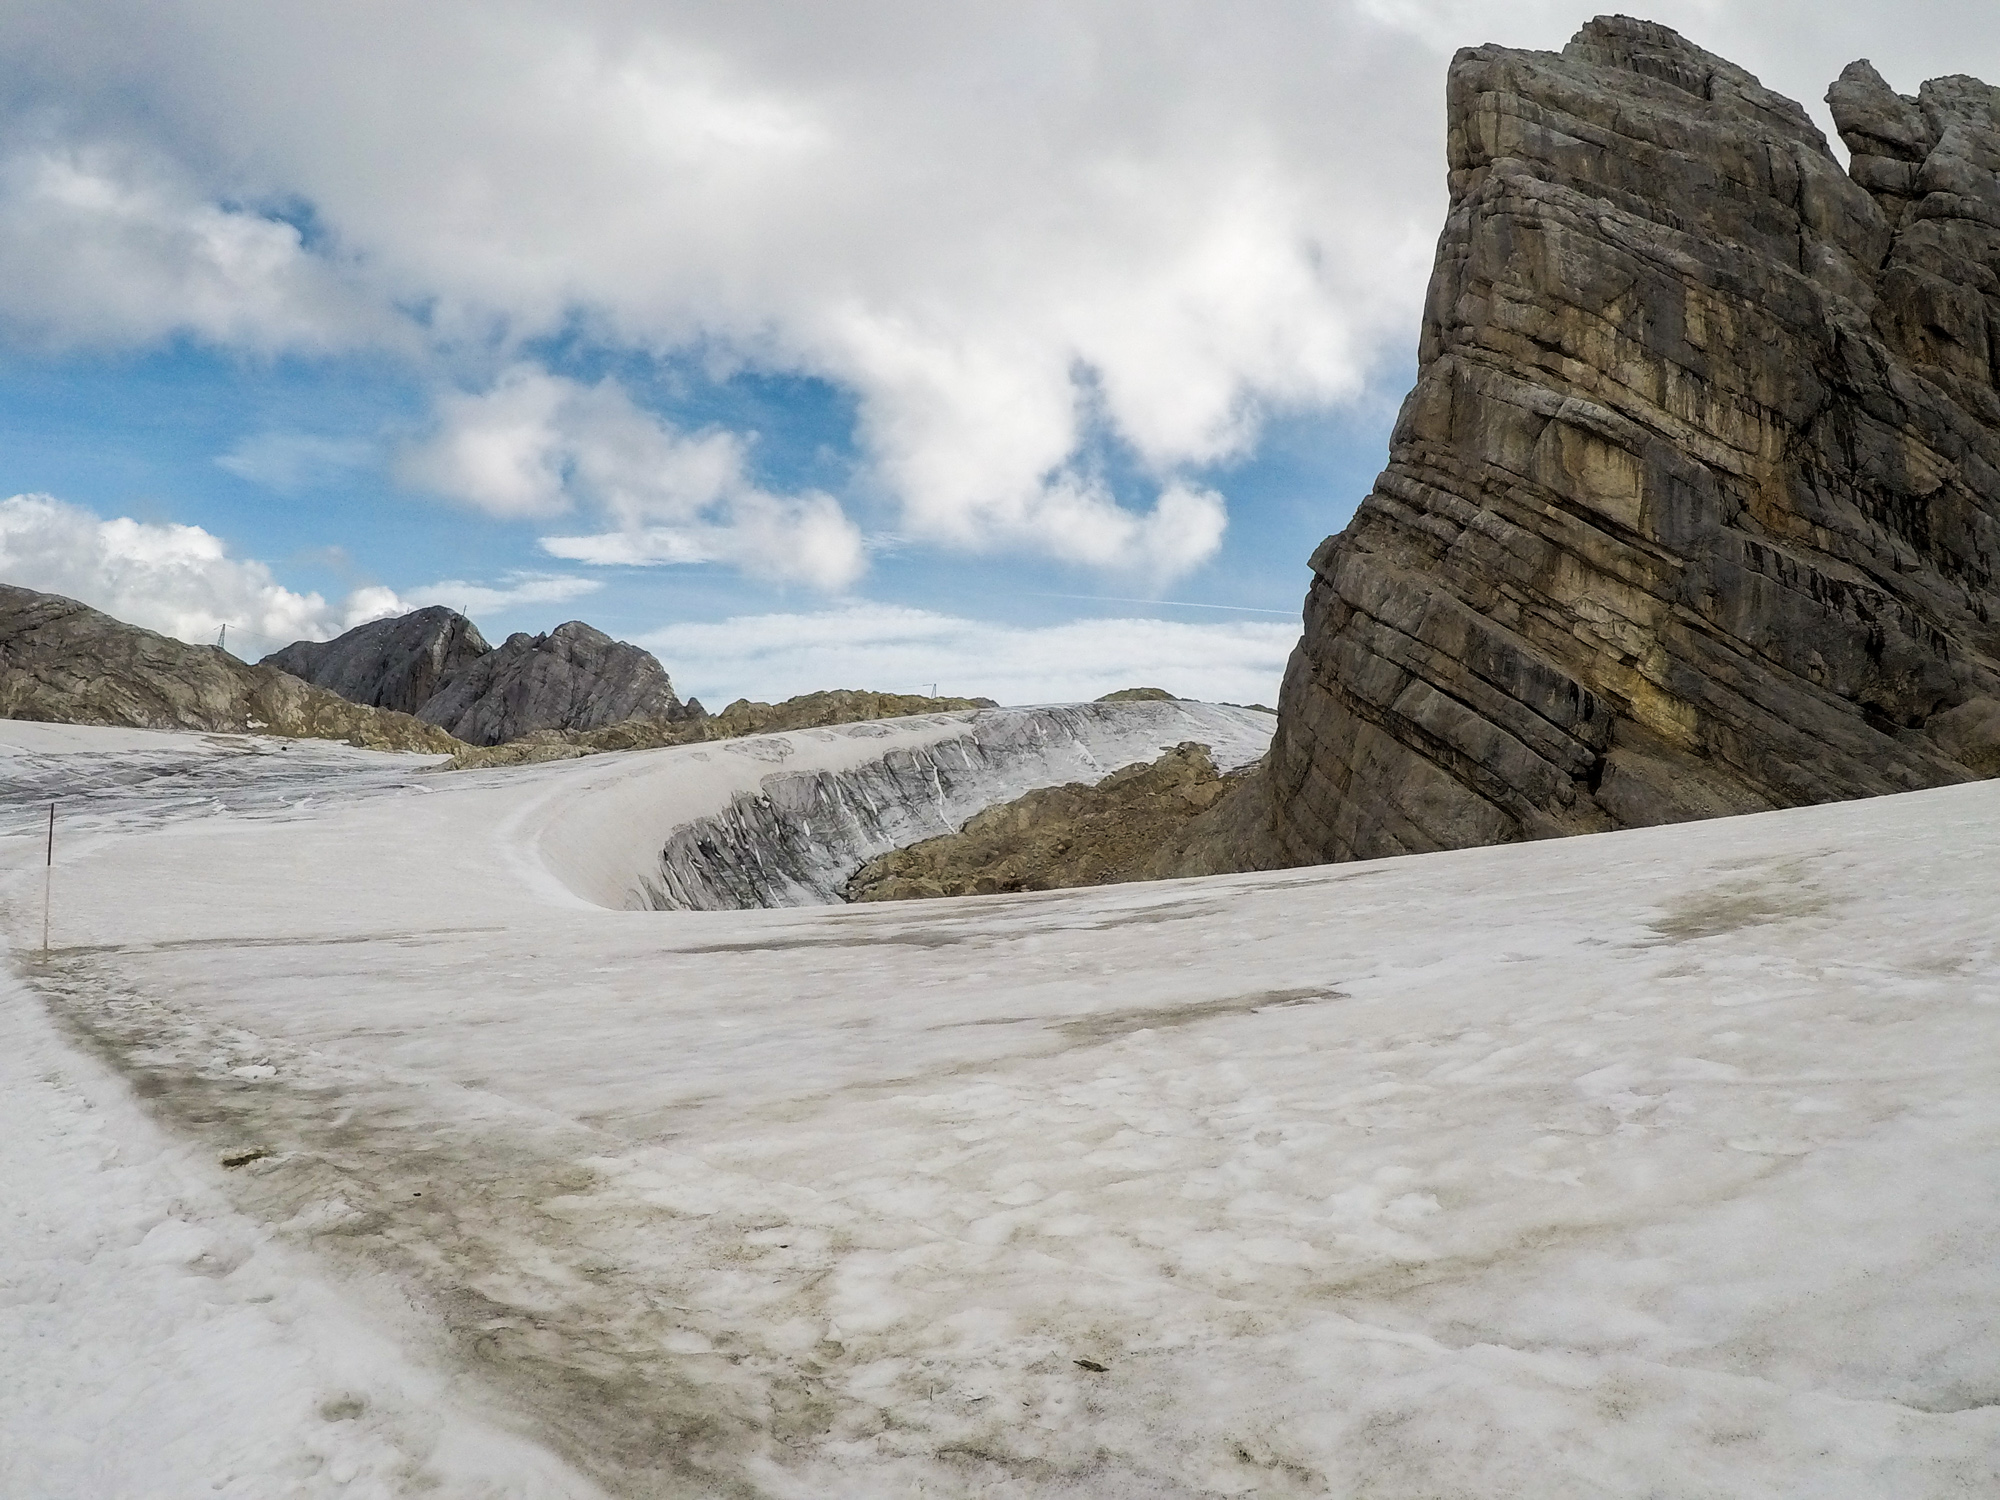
(797,838)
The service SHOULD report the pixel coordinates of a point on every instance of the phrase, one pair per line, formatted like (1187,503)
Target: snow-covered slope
(1656,1163)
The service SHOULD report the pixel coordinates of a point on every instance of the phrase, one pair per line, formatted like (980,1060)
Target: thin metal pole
(48,879)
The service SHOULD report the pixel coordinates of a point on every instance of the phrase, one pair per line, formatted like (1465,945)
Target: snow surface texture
(1657,1163)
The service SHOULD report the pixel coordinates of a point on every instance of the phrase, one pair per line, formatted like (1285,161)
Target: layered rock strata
(1695,507)
(64,662)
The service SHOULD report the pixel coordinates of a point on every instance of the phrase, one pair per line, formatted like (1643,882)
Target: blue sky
(1026,350)
(289,460)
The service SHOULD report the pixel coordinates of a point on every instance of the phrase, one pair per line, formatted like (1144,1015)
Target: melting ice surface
(357,1140)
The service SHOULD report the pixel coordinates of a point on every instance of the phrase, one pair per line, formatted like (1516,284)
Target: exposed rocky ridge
(1695,506)
(64,662)
(434,664)
(808,711)
(398,663)
(1059,836)
(834,706)
(575,677)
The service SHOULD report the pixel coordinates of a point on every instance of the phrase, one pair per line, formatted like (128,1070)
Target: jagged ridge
(434,663)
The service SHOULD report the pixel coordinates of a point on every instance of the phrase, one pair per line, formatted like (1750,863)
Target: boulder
(1695,506)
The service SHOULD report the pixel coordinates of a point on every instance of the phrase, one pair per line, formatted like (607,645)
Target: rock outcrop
(1695,507)
(64,662)
(434,664)
(398,663)
(575,677)
(1057,837)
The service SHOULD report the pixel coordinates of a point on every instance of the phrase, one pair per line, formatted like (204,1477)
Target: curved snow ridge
(800,835)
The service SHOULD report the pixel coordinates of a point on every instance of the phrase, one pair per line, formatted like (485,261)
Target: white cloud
(537,446)
(178,580)
(181,580)
(115,246)
(1079,520)
(1013,233)
(1009,233)
(885,648)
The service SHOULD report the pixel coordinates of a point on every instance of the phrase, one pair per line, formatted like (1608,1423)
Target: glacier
(370,1131)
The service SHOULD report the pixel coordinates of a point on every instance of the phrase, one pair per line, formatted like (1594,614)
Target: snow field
(159,1344)
(1657,1163)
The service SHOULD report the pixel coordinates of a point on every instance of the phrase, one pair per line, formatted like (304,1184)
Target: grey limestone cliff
(398,663)
(1695,506)
(575,677)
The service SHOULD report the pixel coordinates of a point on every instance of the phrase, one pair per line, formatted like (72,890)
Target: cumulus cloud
(178,580)
(1009,234)
(113,246)
(887,648)
(537,446)
(182,581)
(1017,235)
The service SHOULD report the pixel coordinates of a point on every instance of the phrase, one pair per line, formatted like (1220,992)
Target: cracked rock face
(1695,507)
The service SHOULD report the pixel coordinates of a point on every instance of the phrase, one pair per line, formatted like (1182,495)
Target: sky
(1020,350)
